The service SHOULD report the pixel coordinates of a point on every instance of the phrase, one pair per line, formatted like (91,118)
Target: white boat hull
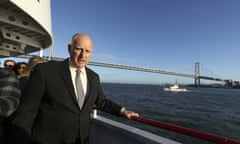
(175,90)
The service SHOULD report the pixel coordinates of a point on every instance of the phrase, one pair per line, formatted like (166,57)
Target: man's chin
(81,65)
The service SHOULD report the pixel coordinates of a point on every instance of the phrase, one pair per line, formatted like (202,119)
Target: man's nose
(82,53)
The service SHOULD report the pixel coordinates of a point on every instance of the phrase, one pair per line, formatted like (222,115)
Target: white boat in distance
(175,88)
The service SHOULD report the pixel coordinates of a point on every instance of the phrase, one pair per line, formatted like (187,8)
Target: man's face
(9,64)
(80,51)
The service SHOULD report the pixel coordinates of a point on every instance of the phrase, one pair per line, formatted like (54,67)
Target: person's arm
(112,107)
(9,92)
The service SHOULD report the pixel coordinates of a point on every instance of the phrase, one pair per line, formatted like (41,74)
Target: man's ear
(69,48)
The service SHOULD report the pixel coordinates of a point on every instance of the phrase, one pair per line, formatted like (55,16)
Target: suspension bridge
(196,76)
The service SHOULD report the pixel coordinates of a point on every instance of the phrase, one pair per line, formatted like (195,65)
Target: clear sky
(162,34)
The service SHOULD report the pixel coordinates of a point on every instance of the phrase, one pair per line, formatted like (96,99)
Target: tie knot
(78,71)
(78,74)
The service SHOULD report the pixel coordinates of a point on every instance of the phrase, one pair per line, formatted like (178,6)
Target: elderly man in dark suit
(54,109)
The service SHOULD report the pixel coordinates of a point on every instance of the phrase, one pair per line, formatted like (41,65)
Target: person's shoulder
(4,72)
(91,72)
(51,64)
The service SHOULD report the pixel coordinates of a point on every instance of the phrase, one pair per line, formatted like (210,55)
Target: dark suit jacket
(49,110)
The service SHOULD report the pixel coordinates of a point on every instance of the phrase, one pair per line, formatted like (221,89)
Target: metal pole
(197,74)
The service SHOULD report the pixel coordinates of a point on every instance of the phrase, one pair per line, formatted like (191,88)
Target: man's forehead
(9,62)
(82,44)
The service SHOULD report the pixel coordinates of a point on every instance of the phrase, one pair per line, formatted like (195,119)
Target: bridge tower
(197,74)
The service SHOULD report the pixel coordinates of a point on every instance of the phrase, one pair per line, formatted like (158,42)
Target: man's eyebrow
(77,48)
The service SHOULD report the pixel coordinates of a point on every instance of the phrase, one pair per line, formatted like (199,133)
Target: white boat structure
(175,88)
(25,27)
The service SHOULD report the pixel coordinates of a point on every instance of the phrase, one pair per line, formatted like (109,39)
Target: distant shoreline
(184,85)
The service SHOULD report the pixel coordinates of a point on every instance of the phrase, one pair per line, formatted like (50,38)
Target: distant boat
(175,88)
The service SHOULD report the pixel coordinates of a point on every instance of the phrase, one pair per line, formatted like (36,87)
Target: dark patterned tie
(79,87)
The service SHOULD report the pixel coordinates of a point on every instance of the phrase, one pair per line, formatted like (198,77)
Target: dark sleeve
(30,101)
(23,82)
(9,92)
(105,104)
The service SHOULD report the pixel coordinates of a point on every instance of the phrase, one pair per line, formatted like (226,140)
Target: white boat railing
(107,131)
(119,133)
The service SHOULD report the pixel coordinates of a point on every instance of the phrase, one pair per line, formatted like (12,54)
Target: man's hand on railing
(129,114)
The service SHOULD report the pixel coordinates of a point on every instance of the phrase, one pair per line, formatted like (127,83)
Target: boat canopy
(25,27)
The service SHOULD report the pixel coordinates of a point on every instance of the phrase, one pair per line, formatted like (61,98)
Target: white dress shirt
(83,78)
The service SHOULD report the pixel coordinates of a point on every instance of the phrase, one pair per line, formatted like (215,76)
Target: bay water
(212,110)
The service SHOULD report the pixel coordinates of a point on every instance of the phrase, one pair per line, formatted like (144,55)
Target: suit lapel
(90,83)
(66,76)
(91,87)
